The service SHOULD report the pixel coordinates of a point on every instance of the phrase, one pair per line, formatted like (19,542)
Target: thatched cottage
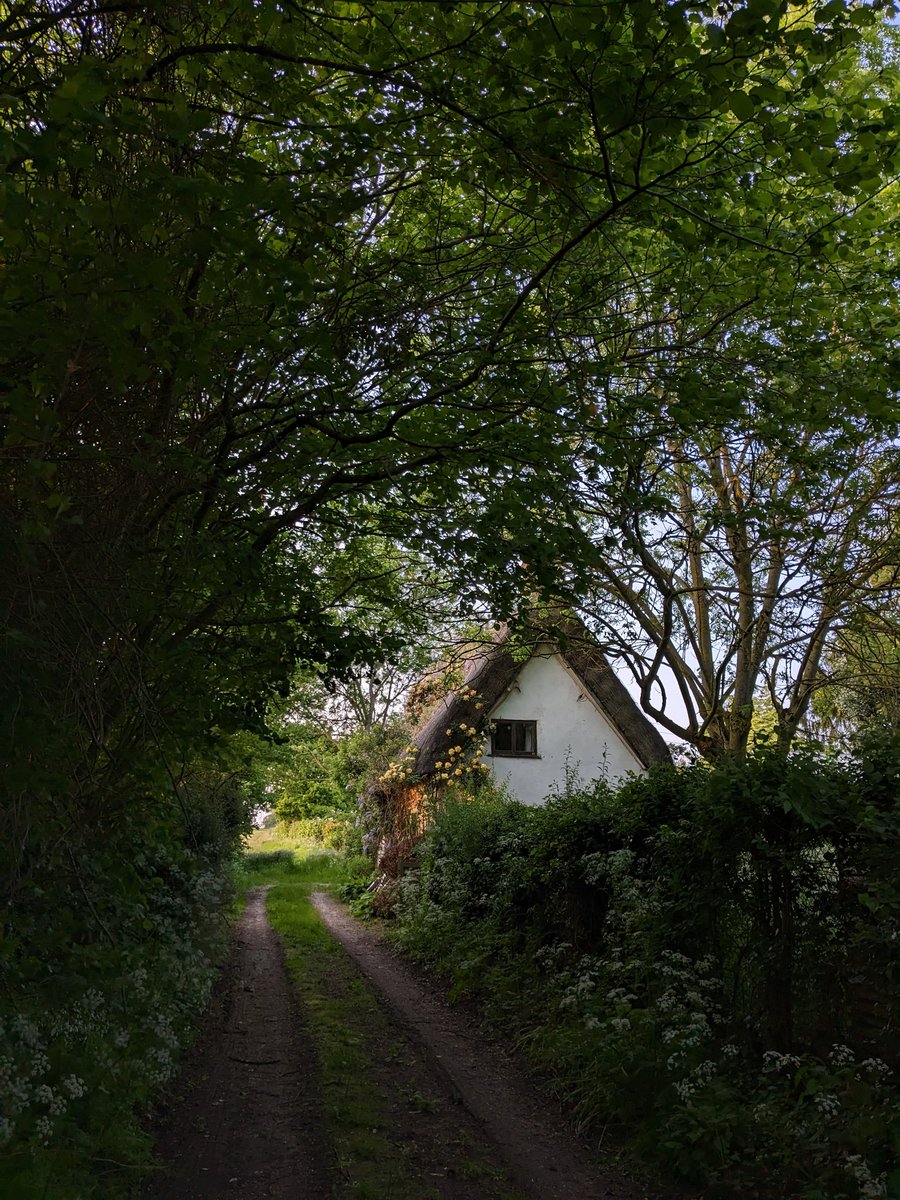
(539,708)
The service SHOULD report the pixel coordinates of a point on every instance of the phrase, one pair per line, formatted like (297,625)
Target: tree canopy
(280,280)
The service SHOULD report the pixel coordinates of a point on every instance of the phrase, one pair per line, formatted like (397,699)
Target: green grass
(72,1172)
(264,840)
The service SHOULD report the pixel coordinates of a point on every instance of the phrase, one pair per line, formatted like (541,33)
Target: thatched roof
(489,675)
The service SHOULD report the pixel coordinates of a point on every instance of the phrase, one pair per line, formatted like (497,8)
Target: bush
(256,859)
(705,958)
(334,833)
(113,915)
(308,800)
(98,1007)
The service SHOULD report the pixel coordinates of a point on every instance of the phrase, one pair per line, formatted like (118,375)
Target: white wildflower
(827,1104)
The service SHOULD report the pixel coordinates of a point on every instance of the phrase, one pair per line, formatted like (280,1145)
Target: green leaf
(742,105)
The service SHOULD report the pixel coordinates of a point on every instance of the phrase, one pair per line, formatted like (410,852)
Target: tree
(254,315)
(729,561)
(734,545)
(284,281)
(405,606)
(860,672)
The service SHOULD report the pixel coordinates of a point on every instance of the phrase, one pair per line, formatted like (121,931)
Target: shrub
(334,833)
(97,1009)
(113,915)
(705,958)
(308,800)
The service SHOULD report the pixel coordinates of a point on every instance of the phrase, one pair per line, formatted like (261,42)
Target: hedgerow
(111,938)
(704,960)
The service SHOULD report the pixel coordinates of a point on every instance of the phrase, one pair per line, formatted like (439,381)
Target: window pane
(503,738)
(515,738)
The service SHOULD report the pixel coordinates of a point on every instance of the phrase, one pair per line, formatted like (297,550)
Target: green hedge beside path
(704,961)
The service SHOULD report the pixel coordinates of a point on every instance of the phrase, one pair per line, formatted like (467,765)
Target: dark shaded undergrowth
(111,935)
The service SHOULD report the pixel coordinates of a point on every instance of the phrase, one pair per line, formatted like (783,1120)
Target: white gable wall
(569,725)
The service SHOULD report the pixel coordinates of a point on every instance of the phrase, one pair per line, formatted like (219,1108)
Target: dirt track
(247,1122)
(543,1157)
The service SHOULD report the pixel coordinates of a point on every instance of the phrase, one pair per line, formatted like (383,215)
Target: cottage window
(514,739)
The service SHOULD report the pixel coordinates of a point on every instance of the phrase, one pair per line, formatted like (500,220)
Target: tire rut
(246,1123)
(546,1160)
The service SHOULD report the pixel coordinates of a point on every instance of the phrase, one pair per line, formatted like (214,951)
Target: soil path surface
(545,1159)
(246,1124)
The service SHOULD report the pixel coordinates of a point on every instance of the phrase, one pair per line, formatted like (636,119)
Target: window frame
(514,721)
